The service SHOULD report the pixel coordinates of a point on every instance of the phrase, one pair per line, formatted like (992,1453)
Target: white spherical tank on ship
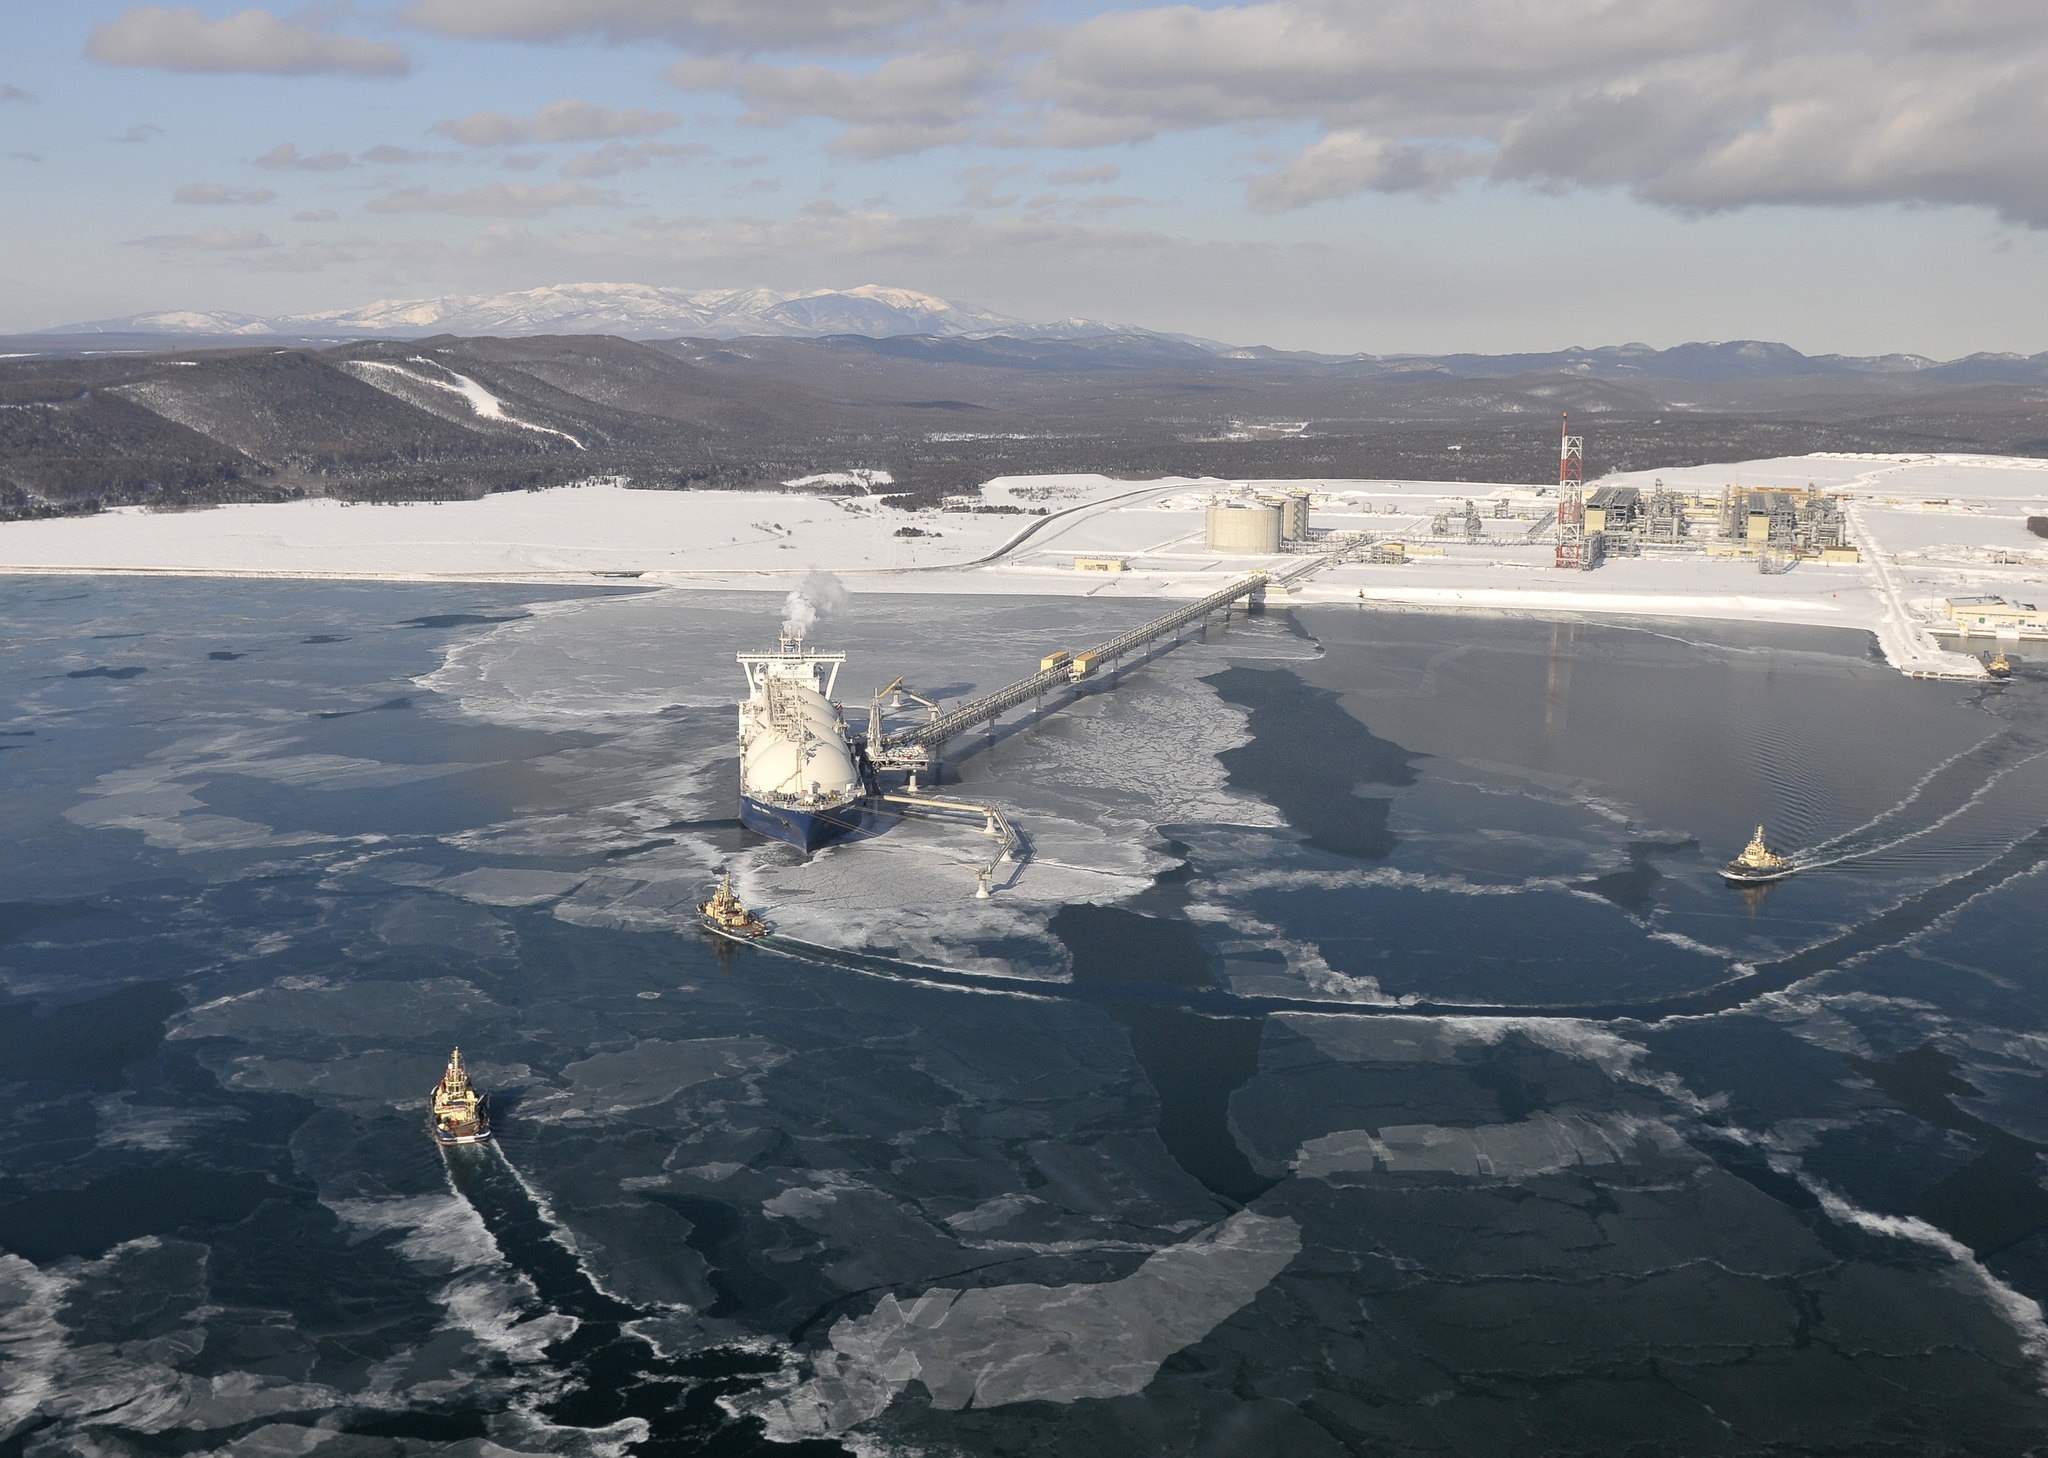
(809,757)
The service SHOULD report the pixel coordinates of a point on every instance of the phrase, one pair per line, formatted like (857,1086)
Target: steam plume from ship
(818,596)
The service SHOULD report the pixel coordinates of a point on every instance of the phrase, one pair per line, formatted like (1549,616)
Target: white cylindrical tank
(1251,529)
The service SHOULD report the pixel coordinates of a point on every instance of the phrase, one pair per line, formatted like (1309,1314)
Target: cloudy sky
(1852,175)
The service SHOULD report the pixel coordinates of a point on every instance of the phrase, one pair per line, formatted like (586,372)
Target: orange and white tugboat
(1758,865)
(723,916)
(459,1115)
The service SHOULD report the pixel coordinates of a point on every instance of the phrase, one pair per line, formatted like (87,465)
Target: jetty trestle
(916,747)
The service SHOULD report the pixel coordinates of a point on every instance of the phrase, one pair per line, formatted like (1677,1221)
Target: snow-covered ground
(1929,526)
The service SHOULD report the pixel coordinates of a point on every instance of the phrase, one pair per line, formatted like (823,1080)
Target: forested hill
(451,417)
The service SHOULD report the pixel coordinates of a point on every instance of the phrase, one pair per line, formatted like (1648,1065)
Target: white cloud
(158,38)
(284,154)
(1346,162)
(1074,176)
(310,257)
(494,200)
(1940,105)
(615,157)
(214,194)
(386,155)
(322,215)
(1691,106)
(1442,64)
(1108,202)
(911,102)
(213,240)
(16,93)
(978,185)
(565,121)
(485,129)
(723,25)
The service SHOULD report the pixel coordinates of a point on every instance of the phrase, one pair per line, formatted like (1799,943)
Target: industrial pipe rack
(996,825)
(913,748)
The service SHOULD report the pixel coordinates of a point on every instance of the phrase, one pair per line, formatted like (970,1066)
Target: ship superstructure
(724,916)
(803,777)
(459,1116)
(1758,865)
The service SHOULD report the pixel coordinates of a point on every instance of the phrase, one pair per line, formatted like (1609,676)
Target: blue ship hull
(810,829)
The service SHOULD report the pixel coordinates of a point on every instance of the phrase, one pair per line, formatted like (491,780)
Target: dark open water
(1411,1085)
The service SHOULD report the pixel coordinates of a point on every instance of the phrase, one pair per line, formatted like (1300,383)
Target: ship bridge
(791,660)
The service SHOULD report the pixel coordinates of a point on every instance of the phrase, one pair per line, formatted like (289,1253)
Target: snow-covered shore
(1929,527)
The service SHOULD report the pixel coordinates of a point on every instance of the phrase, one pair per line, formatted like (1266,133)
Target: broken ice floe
(650,1072)
(511,886)
(1002,1344)
(124,1123)
(155,799)
(1541,1144)
(126,1385)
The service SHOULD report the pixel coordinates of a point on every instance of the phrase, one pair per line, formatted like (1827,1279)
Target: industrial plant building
(1992,616)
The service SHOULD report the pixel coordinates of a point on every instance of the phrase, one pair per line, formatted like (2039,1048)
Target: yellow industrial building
(1990,616)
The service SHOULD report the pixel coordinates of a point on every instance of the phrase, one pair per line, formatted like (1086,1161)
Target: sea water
(1364,1056)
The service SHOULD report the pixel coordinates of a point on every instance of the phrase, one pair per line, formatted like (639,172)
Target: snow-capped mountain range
(645,311)
(634,311)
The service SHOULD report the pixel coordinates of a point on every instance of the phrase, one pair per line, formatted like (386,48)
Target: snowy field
(1929,526)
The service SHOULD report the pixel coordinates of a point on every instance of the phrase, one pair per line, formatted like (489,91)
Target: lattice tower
(1571,499)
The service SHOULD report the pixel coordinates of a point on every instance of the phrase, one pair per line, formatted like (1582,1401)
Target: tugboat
(723,916)
(1758,865)
(459,1116)
(1998,667)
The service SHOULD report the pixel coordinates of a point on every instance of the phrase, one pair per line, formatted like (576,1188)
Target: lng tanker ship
(803,776)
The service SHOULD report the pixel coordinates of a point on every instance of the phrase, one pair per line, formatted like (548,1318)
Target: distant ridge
(632,311)
(646,311)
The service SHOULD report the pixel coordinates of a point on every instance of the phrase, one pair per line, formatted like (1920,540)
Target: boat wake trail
(1911,797)
(1870,839)
(1784,757)
(1888,928)
(614,1388)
